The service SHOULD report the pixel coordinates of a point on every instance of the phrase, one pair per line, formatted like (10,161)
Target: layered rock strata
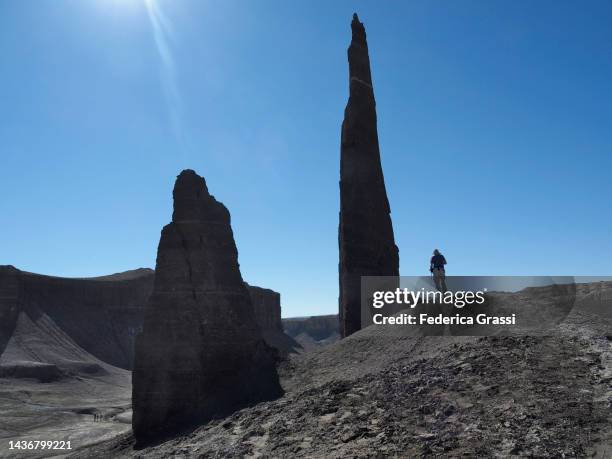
(318,327)
(101,315)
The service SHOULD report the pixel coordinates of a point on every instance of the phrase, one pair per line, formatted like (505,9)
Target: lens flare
(163,36)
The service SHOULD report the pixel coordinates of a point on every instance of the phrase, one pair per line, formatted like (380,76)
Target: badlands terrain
(378,395)
(377,392)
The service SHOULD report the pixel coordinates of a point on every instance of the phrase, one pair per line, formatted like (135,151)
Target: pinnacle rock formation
(367,246)
(200,354)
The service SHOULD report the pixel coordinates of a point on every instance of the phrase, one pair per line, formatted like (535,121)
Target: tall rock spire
(365,235)
(200,354)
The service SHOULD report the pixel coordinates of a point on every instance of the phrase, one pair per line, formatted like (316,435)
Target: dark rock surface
(367,246)
(312,332)
(101,315)
(267,308)
(9,303)
(201,354)
(42,372)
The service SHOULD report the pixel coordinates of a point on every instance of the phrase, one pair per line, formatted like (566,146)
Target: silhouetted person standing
(436,267)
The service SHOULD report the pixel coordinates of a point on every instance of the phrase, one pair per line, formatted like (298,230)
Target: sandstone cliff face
(101,315)
(201,354)
(367,246)
(267,307)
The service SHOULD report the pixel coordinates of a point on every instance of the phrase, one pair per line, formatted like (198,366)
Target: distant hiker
(436,267)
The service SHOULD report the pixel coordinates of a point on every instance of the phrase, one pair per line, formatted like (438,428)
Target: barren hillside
(404,396)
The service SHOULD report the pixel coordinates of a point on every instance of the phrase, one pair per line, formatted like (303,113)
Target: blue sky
(495,125)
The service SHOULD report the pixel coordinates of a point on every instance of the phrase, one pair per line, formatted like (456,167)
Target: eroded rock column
(200,354)
(367,245)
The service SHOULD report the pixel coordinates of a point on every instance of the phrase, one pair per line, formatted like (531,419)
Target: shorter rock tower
(200,354)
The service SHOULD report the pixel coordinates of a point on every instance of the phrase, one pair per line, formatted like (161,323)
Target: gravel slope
(404,396)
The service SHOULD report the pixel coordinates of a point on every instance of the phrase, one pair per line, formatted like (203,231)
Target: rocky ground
(378,393)
(374,395)
(52,389)
(82,409)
